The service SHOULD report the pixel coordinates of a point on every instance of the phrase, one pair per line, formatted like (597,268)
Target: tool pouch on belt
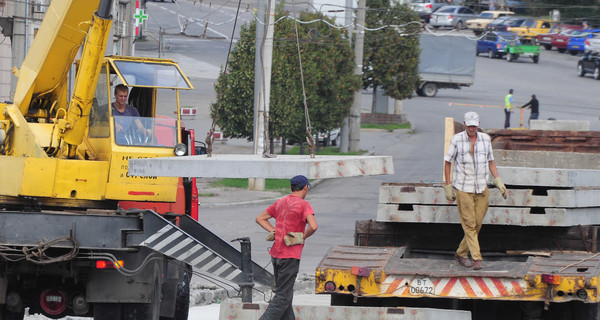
(293,238)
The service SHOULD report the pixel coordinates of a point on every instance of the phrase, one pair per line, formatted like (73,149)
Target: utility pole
(354,118)
(262,81)
(348,22)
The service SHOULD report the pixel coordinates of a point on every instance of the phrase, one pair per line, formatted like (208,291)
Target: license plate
(421,286)
(560,40)
(546,38)
(575,47)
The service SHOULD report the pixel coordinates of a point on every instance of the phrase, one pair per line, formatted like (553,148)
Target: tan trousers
(472,208)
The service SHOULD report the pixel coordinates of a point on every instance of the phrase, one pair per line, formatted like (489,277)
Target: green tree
(572,11)
(391,57)
(327,64)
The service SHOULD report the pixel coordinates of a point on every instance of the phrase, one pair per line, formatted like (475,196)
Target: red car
(558,37)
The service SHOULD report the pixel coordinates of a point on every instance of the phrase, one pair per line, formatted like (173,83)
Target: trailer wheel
(509,57)
(429,89)
(536,59)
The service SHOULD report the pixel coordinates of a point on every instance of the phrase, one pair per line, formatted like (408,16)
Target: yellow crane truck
(66,246)
(540,245)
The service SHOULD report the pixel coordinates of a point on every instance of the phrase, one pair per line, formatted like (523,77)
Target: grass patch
(282,185)
(208,194)
(324,151)
(389,126)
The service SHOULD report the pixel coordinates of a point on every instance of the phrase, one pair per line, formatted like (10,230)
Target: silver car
(426,7)
(593,44)
(451,16)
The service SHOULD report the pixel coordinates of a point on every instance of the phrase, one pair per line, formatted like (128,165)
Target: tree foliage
(327,64)
(391,56)
(571,11)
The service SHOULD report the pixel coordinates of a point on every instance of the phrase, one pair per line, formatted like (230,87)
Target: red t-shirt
(290,213)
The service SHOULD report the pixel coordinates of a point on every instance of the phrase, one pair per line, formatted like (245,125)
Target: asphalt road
(417,157)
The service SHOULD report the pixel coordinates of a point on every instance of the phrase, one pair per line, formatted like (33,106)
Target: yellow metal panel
(122,186)
(24,142)
(11,170)
(38,177)
(42,133)
(80,179)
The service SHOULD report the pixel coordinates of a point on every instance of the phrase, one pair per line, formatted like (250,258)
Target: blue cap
(300,180)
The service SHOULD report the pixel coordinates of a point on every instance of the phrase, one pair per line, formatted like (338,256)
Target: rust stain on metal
(545,140)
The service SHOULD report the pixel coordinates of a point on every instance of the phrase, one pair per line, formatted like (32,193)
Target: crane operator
(122,125)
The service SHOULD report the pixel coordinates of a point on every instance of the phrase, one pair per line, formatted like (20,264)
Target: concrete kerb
(205,294)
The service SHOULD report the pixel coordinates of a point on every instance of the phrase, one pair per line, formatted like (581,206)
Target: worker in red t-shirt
(291,213)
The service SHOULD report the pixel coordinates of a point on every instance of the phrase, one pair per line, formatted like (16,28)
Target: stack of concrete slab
(536,197)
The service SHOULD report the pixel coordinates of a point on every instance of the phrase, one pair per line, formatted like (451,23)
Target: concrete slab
(545,159)
(255,166)
(252,311)
(560,125)
(549,177)
(429,194)
(556,217)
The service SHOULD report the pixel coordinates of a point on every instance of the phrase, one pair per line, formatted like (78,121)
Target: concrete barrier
(233,310)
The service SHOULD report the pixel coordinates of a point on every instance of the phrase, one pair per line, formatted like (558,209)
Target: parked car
(478,25)
(493,43)
(593,44)
(589,63)
(426,7)
(451,16)
(333,135)
(557,37)
(531,28)
(505,23)
(577,41)
(518,6)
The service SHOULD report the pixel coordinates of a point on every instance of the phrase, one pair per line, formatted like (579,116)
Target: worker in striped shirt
(471,152)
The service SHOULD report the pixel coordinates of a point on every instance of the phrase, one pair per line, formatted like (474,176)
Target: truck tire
(8,315)
(182,301)
(420,92)
(146,311)
(429,89)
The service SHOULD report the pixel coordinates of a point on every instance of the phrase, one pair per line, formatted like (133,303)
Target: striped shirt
(470,174)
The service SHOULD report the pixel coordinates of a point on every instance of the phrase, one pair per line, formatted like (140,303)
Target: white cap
(471,119)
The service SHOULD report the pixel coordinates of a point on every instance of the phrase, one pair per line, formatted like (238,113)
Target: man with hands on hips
(471,152)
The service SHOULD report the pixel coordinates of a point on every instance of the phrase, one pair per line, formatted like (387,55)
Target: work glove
(293,238)
(271,236)
(449,192)
(500,185)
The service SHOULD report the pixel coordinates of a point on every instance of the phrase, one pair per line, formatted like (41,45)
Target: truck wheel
(596,73)
(429,89)
(580,71)
(182,302)
(536,59)
(8,315)
(146,311)
(420,92)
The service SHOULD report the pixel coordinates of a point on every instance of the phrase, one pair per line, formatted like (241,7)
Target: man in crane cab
(126,134)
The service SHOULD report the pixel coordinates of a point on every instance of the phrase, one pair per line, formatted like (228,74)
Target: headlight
(180,149)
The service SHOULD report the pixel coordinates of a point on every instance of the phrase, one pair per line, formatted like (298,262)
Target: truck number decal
(421,286)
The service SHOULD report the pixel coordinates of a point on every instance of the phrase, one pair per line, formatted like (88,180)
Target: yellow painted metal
(53,50)
(73,127)
(534,290)
(23,140)
(12,175)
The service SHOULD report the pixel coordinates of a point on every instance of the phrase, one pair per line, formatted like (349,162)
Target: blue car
(577,41)
(493,43)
